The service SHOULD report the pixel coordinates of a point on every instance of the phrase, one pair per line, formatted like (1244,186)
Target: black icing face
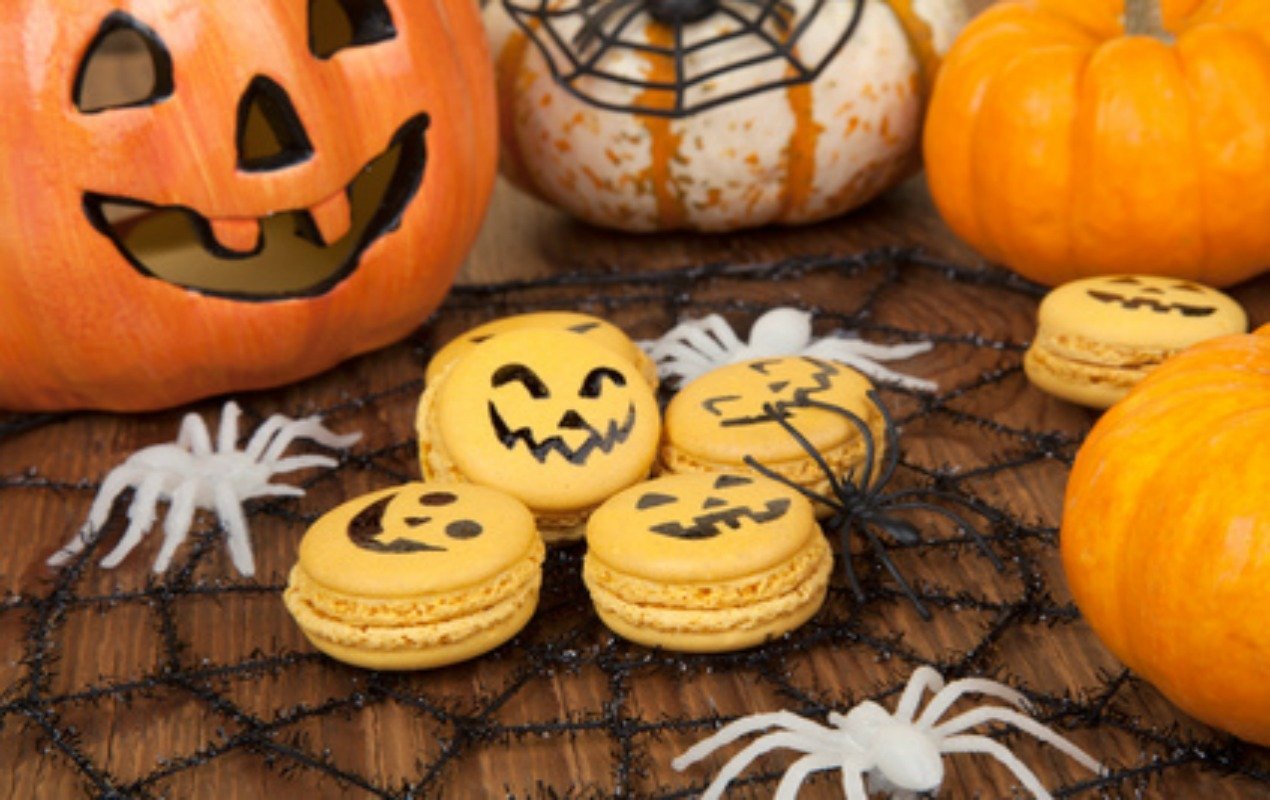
(414,521)
(310,242)
(1155,295)
(565,417)
(769,389)
(726,505)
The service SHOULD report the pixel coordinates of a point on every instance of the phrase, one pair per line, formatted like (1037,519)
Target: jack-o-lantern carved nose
(270,135)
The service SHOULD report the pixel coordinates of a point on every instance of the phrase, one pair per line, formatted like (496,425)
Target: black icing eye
(1128,280)
(728,481)
(464,529)
(337,24)
(519,373)
(593,384)
(125,65)
(653,500)
(434,499)
(1188,287)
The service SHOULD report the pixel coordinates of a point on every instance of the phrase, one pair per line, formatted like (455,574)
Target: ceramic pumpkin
(1165,535)
(713,115)
(1065,143)
(283,185)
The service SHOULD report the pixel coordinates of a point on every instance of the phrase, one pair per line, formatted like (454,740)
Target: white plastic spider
(190,475)
(695,347)
(900,755)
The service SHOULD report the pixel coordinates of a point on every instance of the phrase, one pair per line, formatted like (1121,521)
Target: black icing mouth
(596,440)
(290,258)
(707,526)
(1151,303)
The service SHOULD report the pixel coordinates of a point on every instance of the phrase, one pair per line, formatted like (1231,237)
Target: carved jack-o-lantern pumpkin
(263,190)
(714,114)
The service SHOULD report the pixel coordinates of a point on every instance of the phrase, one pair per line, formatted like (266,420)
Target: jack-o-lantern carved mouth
(603,441)
(707,526)
(300,252)
(1132,303)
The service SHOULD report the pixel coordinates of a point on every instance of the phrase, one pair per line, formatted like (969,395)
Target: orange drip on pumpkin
(663,141)
(920,40)
(801,153)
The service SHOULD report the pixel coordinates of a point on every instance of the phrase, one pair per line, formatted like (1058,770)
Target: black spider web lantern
(674,58)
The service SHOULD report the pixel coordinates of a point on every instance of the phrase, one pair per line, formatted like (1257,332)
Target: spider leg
(711,338)
(1023,723)
(870,446)
(738,762)
(843,526)
(116,481)
(177,524)
(923,678)
(141,516)
(787,789)
(303,462)
(307,428)
(853,781)
(231,516)
(858,354)
(193,435)
(942,701)
(815,497)
(227,437)
(899,530)
(746,725)
(835,483)
(264,434)
(880,550)
(957,520)
(986,746)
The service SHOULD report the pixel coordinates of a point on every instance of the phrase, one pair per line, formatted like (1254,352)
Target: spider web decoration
(205,681)
(597,50)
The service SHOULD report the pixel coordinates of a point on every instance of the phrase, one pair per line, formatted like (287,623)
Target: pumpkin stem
(1144,18)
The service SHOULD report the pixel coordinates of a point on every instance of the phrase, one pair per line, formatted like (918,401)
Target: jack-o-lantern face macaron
(598,330)
(735,412)
(1097,337)
(420,575)
(706,562)
(550,417)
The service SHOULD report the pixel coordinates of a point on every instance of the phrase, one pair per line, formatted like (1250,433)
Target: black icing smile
(707,526)
(1150,303)
(378,196)
(596,440)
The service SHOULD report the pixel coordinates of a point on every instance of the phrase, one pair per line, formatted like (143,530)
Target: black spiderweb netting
(704,54)
(123,684)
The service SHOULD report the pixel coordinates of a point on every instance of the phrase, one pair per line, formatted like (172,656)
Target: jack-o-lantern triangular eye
(126,64)
(337,24)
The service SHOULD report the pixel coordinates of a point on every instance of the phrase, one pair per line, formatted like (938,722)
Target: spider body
(900,754)
(697,346)
(191,473)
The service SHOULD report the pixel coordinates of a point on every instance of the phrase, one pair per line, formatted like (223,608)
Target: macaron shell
(608,443)
(621,534)
(1077,381)
(716,419)
(332,557)
(420,647)
(598,330)
(1140,311)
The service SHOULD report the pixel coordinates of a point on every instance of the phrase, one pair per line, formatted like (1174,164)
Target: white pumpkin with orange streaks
(789,155)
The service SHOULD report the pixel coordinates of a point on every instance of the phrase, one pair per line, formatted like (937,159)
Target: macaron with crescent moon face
(419,575)
(706,562)
(1097,337)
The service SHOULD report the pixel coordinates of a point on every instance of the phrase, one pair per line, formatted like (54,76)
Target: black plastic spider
(863,505)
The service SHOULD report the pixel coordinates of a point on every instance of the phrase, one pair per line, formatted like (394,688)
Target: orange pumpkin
(1064,143)
(1166,532)
(275,186)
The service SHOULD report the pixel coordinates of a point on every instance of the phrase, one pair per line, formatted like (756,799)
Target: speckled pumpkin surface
(711,157)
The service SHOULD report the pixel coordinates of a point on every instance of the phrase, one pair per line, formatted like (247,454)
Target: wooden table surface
(199,685)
